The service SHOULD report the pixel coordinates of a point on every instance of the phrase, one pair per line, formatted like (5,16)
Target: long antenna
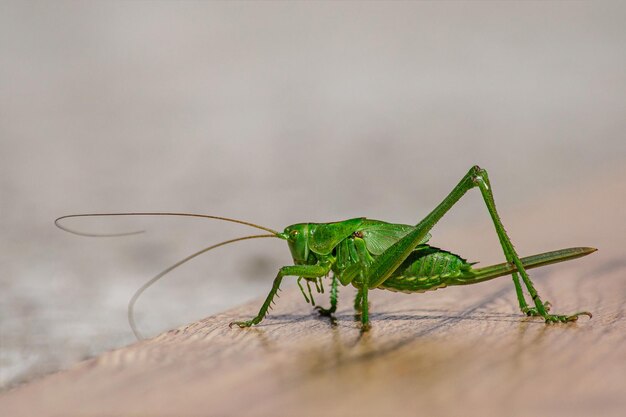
(135,297)
(205,216)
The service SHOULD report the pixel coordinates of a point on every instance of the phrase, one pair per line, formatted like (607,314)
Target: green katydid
(372,254)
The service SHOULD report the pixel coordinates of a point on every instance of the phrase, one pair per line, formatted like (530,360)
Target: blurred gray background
(274,113)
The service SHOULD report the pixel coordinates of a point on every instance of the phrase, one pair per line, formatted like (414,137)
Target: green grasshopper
(372,254)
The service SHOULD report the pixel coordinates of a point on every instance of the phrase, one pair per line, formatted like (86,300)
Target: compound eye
(294,233)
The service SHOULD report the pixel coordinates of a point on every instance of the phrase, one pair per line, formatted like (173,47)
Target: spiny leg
(519,292)
(361,304)
(358,304)
(306,271)
(308,287)
(333,299)
(365,318)
(385,264)
(541,308)
(523,305)
(509,255)
(302,290)
(358,299)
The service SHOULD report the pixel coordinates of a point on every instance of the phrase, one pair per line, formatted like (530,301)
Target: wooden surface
(456,351)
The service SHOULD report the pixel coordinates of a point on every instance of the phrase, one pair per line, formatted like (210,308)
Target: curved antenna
(135,297)
(205,216)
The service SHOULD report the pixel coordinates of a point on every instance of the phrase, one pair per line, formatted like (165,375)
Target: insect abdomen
(427,268)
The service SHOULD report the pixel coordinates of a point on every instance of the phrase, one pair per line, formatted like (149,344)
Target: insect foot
(532,311)
(554,318)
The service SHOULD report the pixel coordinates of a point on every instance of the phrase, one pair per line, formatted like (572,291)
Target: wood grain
(456,351)
(459,350)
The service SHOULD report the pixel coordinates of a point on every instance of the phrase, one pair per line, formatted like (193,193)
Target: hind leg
(385,264)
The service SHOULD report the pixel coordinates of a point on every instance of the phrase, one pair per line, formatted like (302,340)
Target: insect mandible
(372,254)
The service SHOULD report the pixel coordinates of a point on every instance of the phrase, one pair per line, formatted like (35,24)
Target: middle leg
(334,291)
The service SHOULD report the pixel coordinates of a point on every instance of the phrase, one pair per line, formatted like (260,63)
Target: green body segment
(429,268)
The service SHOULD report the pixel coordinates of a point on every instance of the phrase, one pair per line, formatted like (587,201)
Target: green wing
(379,236)
(325,236)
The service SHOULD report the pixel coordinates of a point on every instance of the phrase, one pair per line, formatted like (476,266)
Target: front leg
(306,271)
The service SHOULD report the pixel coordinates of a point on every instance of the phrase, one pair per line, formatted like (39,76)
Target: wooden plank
(459,350)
